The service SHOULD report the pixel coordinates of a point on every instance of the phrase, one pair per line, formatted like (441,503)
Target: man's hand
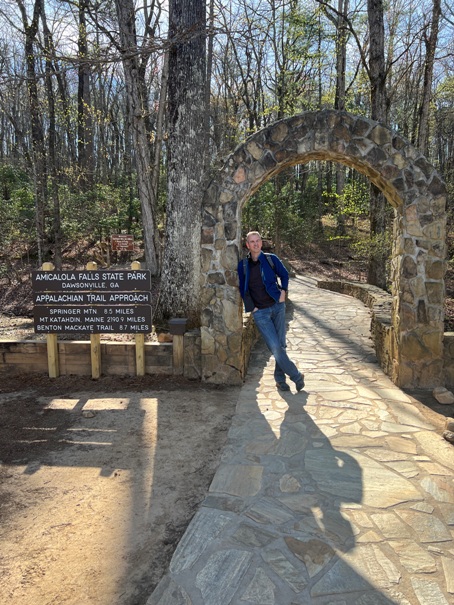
(282,296)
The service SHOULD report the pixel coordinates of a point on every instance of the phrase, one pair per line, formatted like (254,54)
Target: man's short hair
(253,233)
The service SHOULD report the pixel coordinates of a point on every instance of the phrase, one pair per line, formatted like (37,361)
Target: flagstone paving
(341,494)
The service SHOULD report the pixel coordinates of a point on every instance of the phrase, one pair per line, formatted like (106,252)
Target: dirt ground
(99,480)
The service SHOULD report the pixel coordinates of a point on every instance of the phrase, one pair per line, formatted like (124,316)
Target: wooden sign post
(140,339)
(177,327)
(53,361)
(95,340)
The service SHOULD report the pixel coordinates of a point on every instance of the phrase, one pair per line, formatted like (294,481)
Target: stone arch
(410,184)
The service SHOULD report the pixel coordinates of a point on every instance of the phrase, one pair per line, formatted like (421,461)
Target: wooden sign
(122,242)
(92,301)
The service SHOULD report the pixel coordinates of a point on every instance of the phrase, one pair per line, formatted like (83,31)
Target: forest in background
(90,94)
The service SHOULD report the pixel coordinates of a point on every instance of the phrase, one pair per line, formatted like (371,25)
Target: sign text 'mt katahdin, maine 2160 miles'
(93,302)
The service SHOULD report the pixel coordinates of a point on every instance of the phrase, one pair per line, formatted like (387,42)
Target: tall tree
(377,66)
(138,112)
(84,108)
(52,143)
(339,18)
(180,281)
(339,100)
(377,274)
(431,46)
(37,129)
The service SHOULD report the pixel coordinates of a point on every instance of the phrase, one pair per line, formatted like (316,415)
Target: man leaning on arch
(265,298)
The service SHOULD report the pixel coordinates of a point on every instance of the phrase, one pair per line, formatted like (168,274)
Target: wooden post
(178,354)
(108,254)
(177,327)
(95,341)
(140,354)
(140,338)
(53,361)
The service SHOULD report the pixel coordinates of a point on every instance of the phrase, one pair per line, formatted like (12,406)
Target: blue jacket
(269,277)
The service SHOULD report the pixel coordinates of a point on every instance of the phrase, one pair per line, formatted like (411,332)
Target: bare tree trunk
(377,67)
(138,111)
(52,136)
(84,117)
(127,168)
(320,97)
(180,281)
(37,132)
(279,182)
(160,126)
(378,204)
(431,46)
(339,103)
(209,68)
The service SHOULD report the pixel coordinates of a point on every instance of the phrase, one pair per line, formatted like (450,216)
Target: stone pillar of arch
(410,184)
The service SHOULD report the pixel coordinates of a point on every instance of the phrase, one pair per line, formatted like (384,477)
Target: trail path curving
(341,494)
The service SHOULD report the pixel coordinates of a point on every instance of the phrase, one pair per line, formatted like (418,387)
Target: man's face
(254,243)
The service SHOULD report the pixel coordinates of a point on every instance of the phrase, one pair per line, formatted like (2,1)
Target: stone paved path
(339,495)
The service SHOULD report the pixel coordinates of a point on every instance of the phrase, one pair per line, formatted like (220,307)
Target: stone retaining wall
(380,304)
(448,349)
(192,355)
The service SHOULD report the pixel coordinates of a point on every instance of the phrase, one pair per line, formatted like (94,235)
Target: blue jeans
(270,323)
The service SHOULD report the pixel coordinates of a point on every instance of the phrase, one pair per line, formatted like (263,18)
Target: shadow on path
(272,530)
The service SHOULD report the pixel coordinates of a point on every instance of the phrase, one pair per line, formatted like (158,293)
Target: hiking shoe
(300,383)
(282,386)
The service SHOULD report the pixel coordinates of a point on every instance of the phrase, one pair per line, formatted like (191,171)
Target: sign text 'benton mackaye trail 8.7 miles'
(93,302)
